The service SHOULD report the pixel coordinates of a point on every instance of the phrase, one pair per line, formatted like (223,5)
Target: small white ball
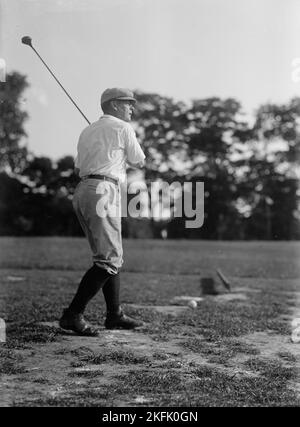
(296,336)
(296,331)
(296,323)
(192,304)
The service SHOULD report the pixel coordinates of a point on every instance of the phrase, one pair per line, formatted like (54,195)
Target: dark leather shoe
(75,322)
(119,320)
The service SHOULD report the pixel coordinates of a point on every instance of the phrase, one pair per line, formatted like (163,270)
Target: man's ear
(114,105)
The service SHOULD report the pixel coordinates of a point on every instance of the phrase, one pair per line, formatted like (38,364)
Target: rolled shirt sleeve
(133,150)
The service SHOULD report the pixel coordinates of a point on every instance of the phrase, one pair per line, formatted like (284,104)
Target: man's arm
(135,156)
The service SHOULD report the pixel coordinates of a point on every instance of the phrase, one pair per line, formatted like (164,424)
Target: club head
(26,40)
(224,280)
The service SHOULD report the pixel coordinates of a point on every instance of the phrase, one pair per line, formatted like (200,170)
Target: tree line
(250,170)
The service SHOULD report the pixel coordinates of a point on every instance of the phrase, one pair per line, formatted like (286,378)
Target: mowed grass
(238,259)
(40,276)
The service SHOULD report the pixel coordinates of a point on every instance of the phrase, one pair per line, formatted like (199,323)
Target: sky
(185,49)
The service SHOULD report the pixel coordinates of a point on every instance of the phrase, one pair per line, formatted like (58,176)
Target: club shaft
(74,103)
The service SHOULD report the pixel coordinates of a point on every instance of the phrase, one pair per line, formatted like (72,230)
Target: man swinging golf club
(104,149)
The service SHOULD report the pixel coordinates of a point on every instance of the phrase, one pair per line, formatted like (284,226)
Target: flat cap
(117,93)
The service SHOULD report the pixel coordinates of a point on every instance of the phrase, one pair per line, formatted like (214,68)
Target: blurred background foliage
(250,170)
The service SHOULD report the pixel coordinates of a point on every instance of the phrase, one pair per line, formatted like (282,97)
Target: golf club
(27,40)
(224,280)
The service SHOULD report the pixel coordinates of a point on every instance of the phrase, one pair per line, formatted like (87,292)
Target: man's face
(123,109)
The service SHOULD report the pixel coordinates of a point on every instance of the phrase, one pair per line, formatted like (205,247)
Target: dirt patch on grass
(63,367)
(72,370)
(277,348)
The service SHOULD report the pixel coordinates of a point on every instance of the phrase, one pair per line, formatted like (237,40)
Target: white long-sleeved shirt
(104,147)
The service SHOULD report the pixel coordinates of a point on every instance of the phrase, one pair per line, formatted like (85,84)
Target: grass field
(234,349)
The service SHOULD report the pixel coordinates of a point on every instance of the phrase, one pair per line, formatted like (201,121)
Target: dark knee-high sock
(90,284)
(111,292)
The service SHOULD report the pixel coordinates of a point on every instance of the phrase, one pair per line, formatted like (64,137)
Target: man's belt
(103,178)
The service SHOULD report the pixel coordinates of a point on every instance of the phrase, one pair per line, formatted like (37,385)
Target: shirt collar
(109,116)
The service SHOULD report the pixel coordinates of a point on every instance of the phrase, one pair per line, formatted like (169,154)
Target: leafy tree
(197,142)
(12,155)
(66,180)
(271,174)
(279,124)
(49,200)
(213,132)
(160,122)
(40,172)
(13,217)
